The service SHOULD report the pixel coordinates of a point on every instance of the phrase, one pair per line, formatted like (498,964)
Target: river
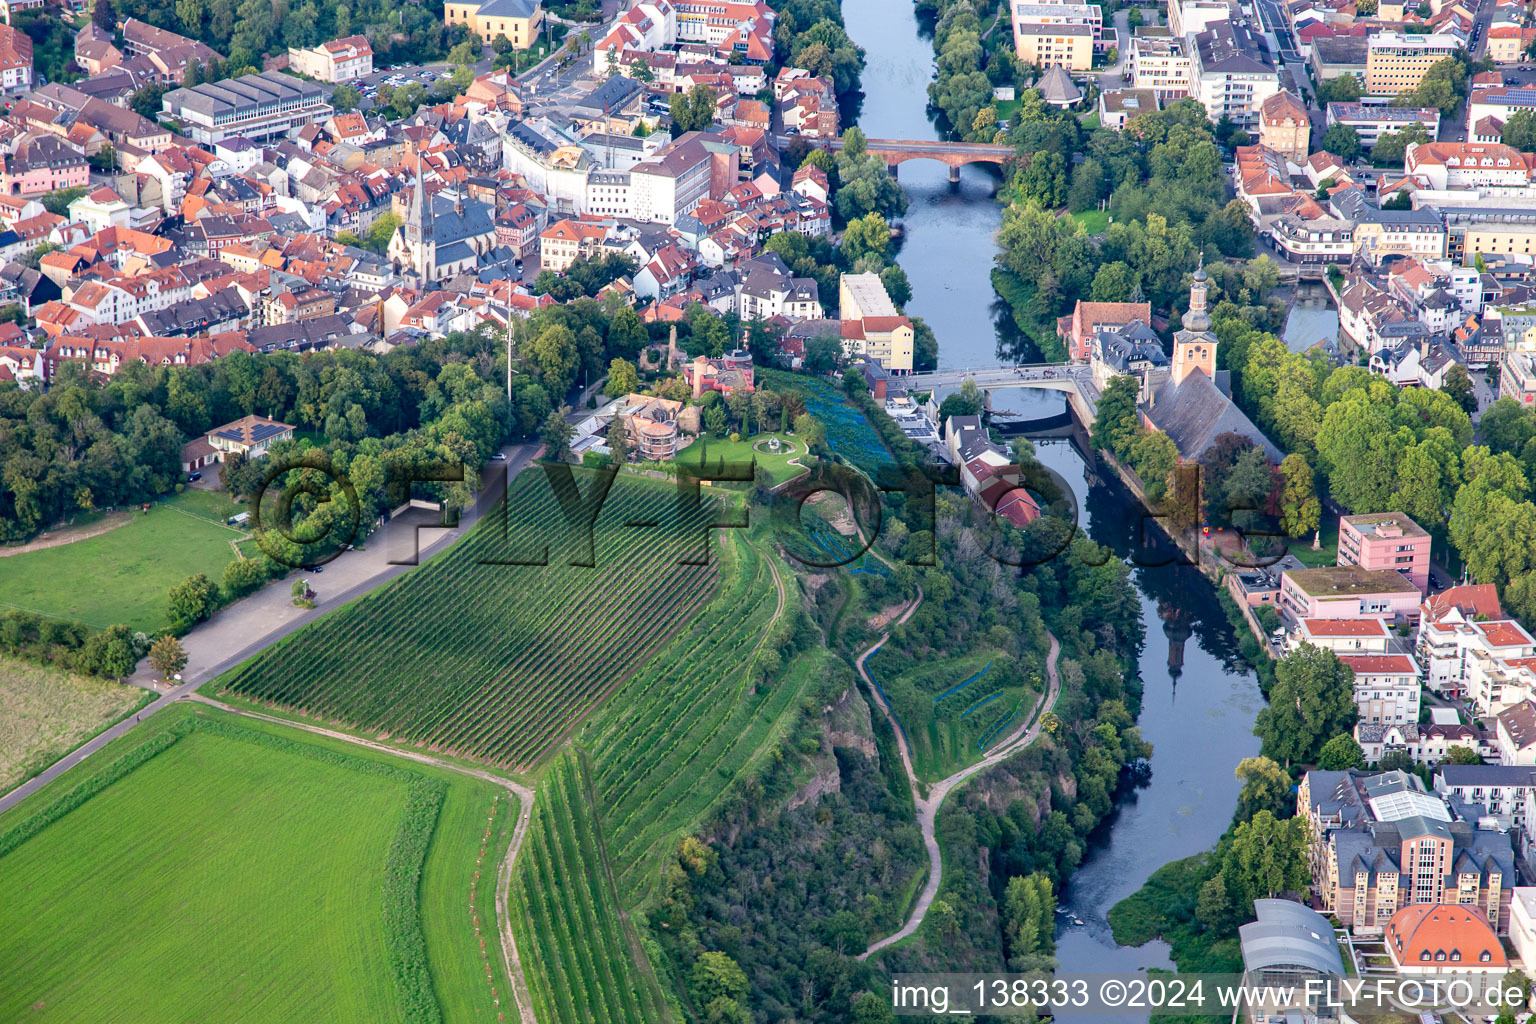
(1199,697)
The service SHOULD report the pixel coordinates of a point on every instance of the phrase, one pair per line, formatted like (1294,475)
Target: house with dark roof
(250,436)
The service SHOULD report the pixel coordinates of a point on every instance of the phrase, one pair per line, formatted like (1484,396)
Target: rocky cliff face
(845,723)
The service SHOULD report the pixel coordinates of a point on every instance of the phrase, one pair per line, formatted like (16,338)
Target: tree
(869,235)
(556,434)
(618,440)
(622,378)
(104,17)
(1300,510)
(1520,131)
(1343,142)
(1312,699)
(554,354)
(692,111)
(241,577)
(1213,907)
(1462,755)
(1458,383)
(1029,922)
(1340,753)
(1266,787)
(1114,282)
(1117,419)
(167,656)
(345,98)
(146,102)
(1267,857)
(716,975)
(191,601)
(1342,89)
(1391,147)
(501,44)
(864,183)
(466,53)
(1443,85)
(821,354)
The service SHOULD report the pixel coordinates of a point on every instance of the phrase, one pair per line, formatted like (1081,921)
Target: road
(928,807)
(255,623)
(1113,77)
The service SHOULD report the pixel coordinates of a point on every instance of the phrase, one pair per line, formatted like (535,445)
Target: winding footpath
(928,807)
(525,798)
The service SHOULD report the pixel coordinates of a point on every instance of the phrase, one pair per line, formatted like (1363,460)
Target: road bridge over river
(1074,380)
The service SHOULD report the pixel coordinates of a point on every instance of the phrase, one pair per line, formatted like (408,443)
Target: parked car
(498,457)
(194,477)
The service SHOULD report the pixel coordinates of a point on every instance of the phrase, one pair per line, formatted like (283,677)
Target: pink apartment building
(1386,540)
(1348,592)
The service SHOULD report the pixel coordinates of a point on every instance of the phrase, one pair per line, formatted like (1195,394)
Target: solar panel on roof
(262,431)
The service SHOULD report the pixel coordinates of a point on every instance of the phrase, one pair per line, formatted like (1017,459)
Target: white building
(340,60)
(1467,165)
(1230,73)
(1342,636)
(1191,17)
(1479,660)
(1161,65)
(1386,687)
(1515,733)
(1504,791)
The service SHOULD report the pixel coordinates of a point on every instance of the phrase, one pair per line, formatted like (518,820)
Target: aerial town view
(767,511)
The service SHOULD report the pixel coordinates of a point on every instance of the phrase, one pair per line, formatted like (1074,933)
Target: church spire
(1197,318)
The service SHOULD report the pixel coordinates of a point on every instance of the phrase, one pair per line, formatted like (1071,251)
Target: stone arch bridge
(955,154)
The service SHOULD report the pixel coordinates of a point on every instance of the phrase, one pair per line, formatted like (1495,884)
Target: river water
(1200,698)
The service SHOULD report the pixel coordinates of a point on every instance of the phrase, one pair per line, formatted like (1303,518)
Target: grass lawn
(1328,554)
(123,575)
(1089,122)
(1095,222)
(777,464)
(1006,109)
(46,712)
(225,880)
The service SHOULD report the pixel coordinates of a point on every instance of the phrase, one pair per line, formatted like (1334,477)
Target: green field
(738,452)
(216,872)
(955,709)
(123,575)
(478,657)
(46,712)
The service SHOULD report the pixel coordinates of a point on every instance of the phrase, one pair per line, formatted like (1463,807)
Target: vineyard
(691,722)
(581,955)
(474,656)
(954,709)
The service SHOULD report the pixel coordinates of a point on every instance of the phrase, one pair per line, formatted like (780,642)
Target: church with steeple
(1193,404)
(442,236)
